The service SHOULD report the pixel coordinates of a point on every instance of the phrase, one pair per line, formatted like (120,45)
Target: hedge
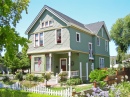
(18,93)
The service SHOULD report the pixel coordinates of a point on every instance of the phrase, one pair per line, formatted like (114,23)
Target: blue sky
(84,11)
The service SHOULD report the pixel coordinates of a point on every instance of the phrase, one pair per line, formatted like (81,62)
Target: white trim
(81,70)
(60,63)
(69,54)
(79,37)
(34,39)
(86,71)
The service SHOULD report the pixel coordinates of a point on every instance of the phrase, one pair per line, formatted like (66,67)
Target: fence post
(56,78)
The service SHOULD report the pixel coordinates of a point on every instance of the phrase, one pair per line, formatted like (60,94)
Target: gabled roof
(95,27)
(60,15)
(92,28)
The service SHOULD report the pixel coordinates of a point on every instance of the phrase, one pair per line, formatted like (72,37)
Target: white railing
(74,73)
(40,89)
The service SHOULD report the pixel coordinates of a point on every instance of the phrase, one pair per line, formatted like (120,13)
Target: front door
(63,63)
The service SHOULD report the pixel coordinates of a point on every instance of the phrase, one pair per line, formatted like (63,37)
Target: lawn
(16,93)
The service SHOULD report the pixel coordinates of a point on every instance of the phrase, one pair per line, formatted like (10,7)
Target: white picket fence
(40,89)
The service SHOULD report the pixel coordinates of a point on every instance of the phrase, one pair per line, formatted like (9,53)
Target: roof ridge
(95,23)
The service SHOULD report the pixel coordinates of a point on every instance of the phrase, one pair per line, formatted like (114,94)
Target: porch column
(69,54)
(50,56)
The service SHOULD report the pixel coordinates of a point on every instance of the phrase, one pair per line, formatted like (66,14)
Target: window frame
(43,24)
(56,41)
(106,45)
(38,40)
(98,41)
(102,31)
(102,65)
(36,63)
(77,33)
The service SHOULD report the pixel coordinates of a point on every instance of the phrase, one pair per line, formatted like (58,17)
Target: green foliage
(111,71)
(29,77)
(6,79)
(74,81)
(120,33)
(102,84)
(19,76)
(98,75)
(10,14)
(15,93)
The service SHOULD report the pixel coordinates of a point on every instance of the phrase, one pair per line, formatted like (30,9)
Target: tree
(20,60)
(10,14)
(120,34)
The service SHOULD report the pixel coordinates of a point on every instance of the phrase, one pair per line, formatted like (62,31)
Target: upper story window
(46,24)
(58,36)
(38,39)
(90,51)
(77,37)
(41,39)
(102,31)
(98,41)
(101,63)
(106,45)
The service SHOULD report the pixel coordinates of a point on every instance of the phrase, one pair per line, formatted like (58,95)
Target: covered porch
(62,61)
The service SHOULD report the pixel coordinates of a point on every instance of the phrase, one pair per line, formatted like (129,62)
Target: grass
(16,93)
(80,88)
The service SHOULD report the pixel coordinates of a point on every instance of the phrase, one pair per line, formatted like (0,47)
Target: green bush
(6,79)
(74,81)
(98,75)
(29,77)
(47,76)
(19,76)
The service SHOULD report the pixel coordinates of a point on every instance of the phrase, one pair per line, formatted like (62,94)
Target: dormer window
(46,24)
(50,23)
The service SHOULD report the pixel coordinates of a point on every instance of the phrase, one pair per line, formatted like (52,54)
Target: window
(41,39)
(58,36)
(47,63)
(106,45)
(98,41)
(50,23)
(102,31)
(38,39)
(46,23)
(90,50)
(37,64)
(42,24)
(101,63)
(77,37)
